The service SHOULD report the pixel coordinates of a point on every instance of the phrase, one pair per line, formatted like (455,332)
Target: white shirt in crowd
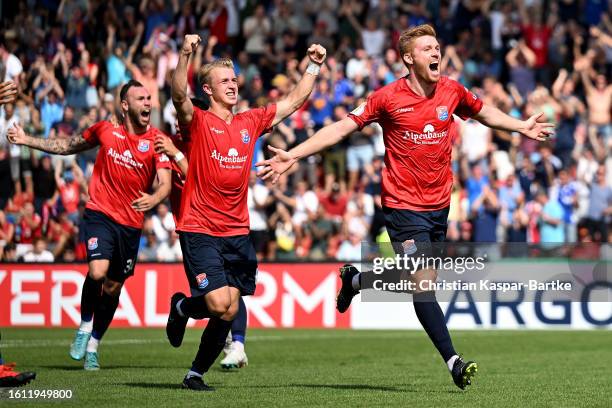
(162,227)
(258,194)
(44,256)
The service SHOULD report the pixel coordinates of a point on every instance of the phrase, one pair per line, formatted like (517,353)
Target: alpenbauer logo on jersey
(124,159)
(231,158)
(429,135)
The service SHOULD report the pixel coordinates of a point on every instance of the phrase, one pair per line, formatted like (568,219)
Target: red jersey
(417,136)
(178,180)
(70,195)
(126,164)
(537,39)
(214,198)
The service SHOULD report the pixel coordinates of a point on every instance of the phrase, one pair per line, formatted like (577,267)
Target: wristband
(313,68)
(179,156)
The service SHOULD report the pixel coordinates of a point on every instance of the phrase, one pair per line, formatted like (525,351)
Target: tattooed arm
(62,146)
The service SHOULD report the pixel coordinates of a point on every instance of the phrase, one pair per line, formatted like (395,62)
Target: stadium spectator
(39,252)
(170,250)
(69,67)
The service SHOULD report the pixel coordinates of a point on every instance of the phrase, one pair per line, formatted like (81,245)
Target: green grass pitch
(335,368)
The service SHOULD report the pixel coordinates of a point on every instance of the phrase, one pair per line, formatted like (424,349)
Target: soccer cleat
(228,344)
(79,345)
(10,378)
(196,383)
(91,361)
(346,292)
(175,328)
(463,372)
(236,358)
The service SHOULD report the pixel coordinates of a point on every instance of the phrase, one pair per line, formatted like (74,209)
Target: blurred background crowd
(70,57)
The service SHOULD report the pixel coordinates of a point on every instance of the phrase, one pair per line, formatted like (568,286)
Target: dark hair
(200,103)
(125,88)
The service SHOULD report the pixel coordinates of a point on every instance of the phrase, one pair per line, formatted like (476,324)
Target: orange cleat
(10,378)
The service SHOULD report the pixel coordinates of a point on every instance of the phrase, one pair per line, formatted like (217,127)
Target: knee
(231,313)
(219,307)
(97,274)
(112,288)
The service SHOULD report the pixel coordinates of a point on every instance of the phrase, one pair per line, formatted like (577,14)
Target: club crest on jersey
(202,280)
(409,247)
(442,112)
(245,136)
(92,243)
(143,146)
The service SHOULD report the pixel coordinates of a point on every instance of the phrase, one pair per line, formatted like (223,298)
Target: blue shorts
(214,262)
(407,228)
(118,243)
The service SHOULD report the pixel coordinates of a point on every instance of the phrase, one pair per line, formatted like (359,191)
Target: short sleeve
(469,104)
(370,111)
(263,118)
(162,161)
(92,133)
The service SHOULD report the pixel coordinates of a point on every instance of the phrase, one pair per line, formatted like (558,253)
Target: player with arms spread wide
(416,115)
(125,168)
(219,258)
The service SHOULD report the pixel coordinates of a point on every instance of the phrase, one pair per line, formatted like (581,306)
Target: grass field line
(26,343)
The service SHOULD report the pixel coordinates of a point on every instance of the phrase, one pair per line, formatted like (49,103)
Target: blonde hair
(204,72)
(407,38)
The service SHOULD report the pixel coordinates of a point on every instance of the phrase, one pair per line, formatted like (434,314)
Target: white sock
(355,282)
(178,307)
(238,345)
(86,326)
(451,362)
(92,345)
(193,374)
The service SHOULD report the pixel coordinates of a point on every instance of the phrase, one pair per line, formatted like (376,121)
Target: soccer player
(8,377)
(125,168)
(415,113)
(178,148)
(219,258)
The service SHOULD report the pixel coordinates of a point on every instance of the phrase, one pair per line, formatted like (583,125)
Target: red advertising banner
(288,295)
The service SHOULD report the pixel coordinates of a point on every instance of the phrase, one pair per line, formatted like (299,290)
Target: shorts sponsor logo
(409,247)
(202,280)
(143,146)
(442,112)
(244,133)
(92,243)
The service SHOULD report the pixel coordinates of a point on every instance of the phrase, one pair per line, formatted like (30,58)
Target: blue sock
(432,319)
(240,323)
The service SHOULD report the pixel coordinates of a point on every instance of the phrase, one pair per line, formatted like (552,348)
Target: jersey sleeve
(162,161)
(263,118)
(92,133)
(469,104)
(370,111)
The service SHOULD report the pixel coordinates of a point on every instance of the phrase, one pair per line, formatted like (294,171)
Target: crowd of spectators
(70,57)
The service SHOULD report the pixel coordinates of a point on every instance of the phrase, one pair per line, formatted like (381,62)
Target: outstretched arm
(531,128)
(301,92)
(324,138)
(63,146)
(180,99)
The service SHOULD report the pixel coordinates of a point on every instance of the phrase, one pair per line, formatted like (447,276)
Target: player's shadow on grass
(364,387)
(165,386)
(110,367)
